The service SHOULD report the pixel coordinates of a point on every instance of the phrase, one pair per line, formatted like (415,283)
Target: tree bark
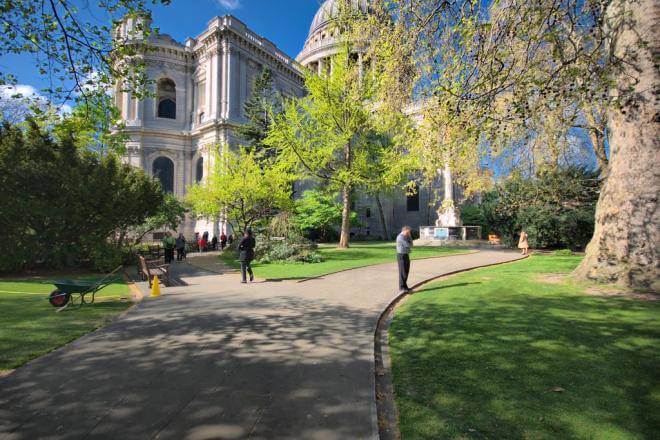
(345,218)
(381,213)
(623,249)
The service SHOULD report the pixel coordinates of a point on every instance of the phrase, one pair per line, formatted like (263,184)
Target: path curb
(387,415)
(468,252)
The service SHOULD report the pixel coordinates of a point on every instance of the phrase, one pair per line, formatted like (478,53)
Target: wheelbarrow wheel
(58,298)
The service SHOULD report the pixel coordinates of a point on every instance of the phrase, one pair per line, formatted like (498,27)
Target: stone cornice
(229,33)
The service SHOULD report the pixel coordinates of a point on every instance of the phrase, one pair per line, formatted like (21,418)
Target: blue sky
(284,22)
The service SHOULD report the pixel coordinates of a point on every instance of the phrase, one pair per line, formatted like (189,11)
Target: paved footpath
(219,360)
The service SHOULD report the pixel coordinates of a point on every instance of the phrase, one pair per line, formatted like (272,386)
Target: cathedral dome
(330,10)
(321,41)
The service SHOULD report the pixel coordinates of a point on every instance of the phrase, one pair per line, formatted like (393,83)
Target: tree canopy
(240,189)
(78,54)
(60,202)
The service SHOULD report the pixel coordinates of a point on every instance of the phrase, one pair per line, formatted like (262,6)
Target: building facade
(200,88)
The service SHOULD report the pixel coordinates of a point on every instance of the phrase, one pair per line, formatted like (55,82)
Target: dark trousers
(180,254)
(169,255)
(246,267)
(404,269)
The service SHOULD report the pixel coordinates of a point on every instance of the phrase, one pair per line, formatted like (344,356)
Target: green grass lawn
(498,353)
(334,260)
(30,326)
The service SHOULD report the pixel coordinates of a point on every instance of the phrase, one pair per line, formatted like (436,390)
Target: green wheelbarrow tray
(67,292)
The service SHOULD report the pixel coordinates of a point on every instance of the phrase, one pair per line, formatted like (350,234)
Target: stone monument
(448,226)
(448,214)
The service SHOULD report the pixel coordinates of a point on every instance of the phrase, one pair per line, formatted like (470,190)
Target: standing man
(404,245)
(180,247)
(246,255)
(168,244)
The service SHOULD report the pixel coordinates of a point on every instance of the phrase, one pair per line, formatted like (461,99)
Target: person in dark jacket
(180,247)
(404,245)
(246,254)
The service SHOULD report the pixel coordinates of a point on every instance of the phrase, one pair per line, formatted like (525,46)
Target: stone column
(243,83)
(126,106)
(448,183)
(190,105)
(216,84)
(221,91)
(208,98)
(448,213)
(234,83)
(139,110)
(226,72)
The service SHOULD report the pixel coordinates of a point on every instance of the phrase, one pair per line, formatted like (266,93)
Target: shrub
(563,253)
(295,248)
(556,208)
(58,200)
(319,214)
(472,215)
(104,257)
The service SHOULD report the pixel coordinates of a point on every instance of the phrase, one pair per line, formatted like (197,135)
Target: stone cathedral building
(201,86)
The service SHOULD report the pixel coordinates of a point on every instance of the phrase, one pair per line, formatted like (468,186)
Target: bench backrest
(144,265)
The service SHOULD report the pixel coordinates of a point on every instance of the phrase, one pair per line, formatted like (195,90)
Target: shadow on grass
(525,366)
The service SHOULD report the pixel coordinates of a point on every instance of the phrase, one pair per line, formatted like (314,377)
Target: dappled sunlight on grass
(495,353)
(31,327)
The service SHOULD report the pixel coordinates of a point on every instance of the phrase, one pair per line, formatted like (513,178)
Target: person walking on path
(404,245)
(223,241)
(180,247)
(168,245)
(522,243)
(214,243)
(246,255)
(203,242)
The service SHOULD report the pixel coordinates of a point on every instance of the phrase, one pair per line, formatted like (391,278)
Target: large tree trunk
(345,218)
(381,213)
(624,246)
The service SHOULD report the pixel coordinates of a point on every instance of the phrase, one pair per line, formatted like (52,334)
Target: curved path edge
(318,277)
(387,415)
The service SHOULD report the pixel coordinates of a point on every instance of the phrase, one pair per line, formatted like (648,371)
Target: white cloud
(16,100)
(230,4)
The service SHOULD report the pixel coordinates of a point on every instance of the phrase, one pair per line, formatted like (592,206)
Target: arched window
(163,170)
(199,173)
(412,199)
(166,99)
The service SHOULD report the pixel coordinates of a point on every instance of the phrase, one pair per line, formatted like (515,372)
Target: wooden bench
(151,268)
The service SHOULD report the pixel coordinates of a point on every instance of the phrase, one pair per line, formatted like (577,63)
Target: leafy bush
(556,208)
(472,215)
(105,257)
(58,201)
(563,253)
(318,215)
(295,249)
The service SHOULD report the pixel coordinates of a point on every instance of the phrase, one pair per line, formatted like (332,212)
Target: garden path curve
(217,359)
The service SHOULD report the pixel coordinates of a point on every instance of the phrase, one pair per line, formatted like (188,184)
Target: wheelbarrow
(67,292)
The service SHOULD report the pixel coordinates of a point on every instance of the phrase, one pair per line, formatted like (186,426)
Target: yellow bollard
(155,287)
